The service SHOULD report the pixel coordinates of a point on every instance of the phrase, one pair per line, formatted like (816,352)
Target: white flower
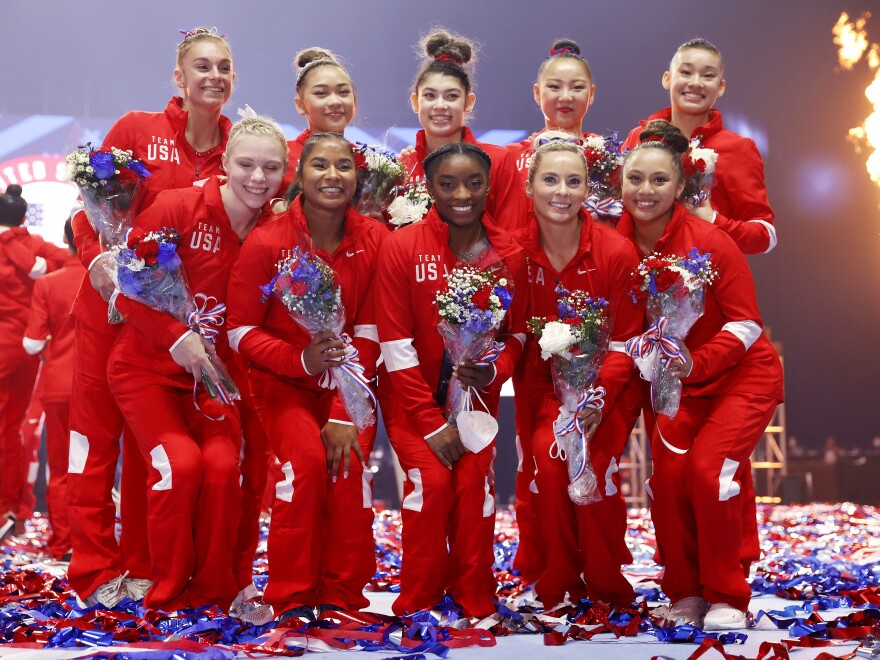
(404,212)
(136,265)
(596,142)
(555,339)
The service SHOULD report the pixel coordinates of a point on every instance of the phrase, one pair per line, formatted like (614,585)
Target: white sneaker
(7,524)
(722,616)
(248,607)
(687,611)
(108,594)
(137,588)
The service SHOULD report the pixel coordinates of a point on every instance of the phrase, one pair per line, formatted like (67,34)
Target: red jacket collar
(302,137)
(626,227)
(355,225)
(422,141)
(177,116)
(499,239)
(529,237)
(713,126)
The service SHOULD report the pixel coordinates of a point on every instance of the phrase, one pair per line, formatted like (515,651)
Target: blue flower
(503,295)
(139,168)
(103,164)
(167,258)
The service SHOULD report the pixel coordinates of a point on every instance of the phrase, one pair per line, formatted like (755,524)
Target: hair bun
(566,46)
(660,129)
(305,57)
(14,190)
(441,44)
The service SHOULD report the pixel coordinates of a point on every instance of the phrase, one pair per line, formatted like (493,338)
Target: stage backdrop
(70,69)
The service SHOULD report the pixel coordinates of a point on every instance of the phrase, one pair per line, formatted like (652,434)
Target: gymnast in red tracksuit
(448,507)
(181,145)
(325,96)
(732,381)
(738,201)
(442,99)
(50,323)
(24,258)
(564,91)
(584,546)
(193,494)
(321,548)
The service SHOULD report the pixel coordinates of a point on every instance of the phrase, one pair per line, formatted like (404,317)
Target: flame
(852,41)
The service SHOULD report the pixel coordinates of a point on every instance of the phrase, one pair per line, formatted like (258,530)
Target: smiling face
(326,98)
(565,92)
(695,81)
(558,187)
(205,75)
(255,165)
(459,186)
(442,105)
(651,184)
(327,176)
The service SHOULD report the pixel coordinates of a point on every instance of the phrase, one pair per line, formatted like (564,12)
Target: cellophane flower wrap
(604,167)
(472,308)
(674,288)
(699,172)
(409,206)
(307,288)
(380,176)
(111,186)
(148,269)
(575,341)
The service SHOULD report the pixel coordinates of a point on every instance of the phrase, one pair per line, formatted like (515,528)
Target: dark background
(819,289)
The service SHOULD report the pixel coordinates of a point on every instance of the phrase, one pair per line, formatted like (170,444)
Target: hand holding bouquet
(674,288)
(699,172)
(472,308)
(380,175)
(148,269)
(575,342)
(307,287)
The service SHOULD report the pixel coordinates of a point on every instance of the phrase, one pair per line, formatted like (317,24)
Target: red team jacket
(266,334)
(159,139)
(729,349)
(503,201)
(602,268)
(23,258)
(208,248)
(739,196)
(411,267)
(50,320)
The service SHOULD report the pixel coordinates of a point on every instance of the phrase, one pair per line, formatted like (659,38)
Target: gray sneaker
(137,588)
(108,595)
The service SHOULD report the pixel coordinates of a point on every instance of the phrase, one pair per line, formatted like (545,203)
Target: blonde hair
(198,35)
(258,126)
(554,141)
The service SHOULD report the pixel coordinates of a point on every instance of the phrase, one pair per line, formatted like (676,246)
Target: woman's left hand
(471,375)
(682,369)
(590,419)
(340,440)
(703,210)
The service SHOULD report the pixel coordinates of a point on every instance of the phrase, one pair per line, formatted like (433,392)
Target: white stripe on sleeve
(33,346)
(39,268)
(235,336)
(399,354)
(771,231)
(746,331)
(367,332)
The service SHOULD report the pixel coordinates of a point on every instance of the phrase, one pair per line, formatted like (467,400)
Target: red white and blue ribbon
(491,354)
(350,365)
(607,206)
(593,398)
(655,338)
(206,321)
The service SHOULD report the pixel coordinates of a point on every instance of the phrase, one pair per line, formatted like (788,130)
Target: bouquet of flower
(148,269)
(110,184)
(699,172)
(604,162)
(307,287)
(575,341)
(380,175)
(472,307)
(410,206)
(674,288)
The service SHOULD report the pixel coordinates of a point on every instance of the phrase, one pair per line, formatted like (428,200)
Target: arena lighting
(853,45)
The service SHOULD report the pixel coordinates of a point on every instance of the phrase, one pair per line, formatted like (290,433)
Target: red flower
(299,288)
(360,161)
(572,321)
(700,164)
(665,280)
(135,236)
(148,251)
(126,175)
(480,299)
